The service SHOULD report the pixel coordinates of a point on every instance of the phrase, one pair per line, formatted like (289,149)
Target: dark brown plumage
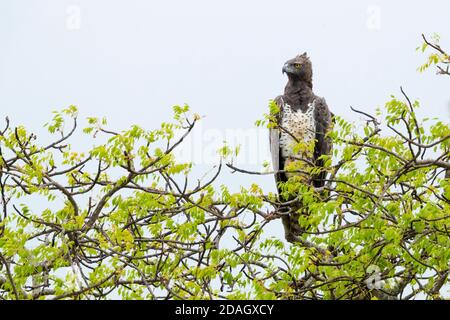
(303,117)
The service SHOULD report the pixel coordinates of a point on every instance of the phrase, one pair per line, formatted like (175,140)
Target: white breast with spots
(299,124)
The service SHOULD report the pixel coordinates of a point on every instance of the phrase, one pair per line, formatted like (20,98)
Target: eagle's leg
(292,229)
(288,235)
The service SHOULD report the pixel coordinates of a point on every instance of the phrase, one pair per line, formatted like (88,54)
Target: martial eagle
(303,117)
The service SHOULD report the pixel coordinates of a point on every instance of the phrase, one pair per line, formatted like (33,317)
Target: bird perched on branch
(303,119)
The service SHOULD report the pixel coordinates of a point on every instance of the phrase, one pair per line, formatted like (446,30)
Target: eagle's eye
(297,66)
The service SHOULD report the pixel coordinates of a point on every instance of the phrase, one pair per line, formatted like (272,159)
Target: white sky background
(132,60)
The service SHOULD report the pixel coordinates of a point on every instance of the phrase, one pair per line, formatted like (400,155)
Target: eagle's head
(299,68)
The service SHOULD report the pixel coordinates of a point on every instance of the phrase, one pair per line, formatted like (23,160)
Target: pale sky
(131,60)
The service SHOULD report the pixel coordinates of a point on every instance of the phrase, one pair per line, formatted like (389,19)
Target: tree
(127,220)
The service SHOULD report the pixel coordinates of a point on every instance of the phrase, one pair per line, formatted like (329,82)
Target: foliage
(439,57)
(127,220)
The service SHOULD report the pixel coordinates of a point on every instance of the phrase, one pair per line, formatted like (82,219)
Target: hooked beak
(287,68)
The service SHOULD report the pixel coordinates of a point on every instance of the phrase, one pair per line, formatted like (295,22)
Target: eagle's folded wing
(274,140)
(323,145)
